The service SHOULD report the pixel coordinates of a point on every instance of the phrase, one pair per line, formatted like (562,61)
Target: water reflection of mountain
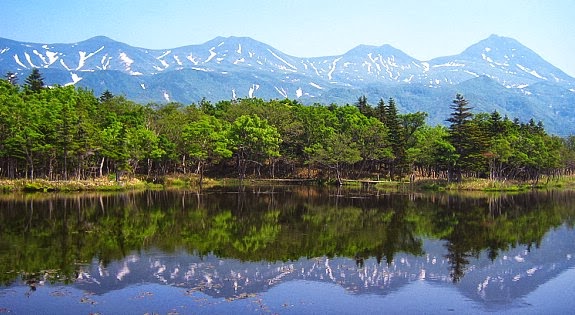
(491,247)
(513,275)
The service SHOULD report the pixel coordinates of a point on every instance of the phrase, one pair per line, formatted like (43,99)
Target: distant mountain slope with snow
(231,67)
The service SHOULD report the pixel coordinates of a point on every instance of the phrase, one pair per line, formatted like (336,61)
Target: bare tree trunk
(184,163)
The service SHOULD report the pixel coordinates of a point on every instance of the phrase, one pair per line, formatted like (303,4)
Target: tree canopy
(61,132)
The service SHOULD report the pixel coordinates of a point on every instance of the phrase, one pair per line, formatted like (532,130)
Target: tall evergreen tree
(106,96)
(459,129)
(381,110)
(34,82)
(396,139)
(363,106)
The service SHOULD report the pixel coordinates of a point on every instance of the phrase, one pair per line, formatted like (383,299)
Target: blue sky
(422,29)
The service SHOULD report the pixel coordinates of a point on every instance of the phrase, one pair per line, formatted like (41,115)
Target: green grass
(192,182)
(42,185)
(478,184)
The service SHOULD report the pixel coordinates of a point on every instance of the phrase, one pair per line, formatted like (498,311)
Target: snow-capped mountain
(239,67)
(503,59)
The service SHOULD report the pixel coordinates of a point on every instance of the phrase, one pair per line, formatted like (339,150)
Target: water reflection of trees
(50,238)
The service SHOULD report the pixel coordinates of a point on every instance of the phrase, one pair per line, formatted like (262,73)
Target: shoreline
(187,182)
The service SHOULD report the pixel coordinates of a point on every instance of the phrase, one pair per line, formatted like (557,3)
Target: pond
(287,250)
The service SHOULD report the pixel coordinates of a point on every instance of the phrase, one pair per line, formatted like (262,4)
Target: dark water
(287,250)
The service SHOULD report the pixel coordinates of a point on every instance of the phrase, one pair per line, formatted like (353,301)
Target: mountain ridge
(231,67)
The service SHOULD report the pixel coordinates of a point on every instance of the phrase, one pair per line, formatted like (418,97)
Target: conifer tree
(363,106)
(459,130)
(396,138)
(34,82)
(106,96)
(381,110)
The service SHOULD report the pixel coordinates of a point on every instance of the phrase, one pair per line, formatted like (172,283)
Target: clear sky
(423,29)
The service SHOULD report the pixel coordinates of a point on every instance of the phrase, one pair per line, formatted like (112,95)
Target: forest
(64,132)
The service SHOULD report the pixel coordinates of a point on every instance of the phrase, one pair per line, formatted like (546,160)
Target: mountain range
(497,73)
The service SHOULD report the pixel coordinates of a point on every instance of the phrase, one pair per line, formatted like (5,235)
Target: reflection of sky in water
(541,280)
(293,297)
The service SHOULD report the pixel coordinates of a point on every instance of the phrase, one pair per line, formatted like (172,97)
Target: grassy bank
(99,184)
(478,184)
(192,182)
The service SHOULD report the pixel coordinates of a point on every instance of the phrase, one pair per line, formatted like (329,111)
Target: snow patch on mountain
(281,91)
(282,60)
(532,72)
(178,61)
(39,55)
(164,54)
(450,64)
(299,92)
(192,59)
(165,64)
(212,55)
(17,59)
(105,62)
(486,58)
(332,68)
(84,57)
(52,57)
(315,85)
(252,90)
(29,59)
(126,60)
(472,73)
(65,65)
(75,78)
(425,66)
(315,69)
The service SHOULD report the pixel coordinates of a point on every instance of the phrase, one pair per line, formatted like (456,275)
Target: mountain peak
(100,38)
(385,49)
(496,42)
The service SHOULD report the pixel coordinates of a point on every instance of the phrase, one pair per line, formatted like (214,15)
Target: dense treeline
(67,132)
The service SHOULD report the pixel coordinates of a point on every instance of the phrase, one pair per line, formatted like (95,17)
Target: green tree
(141,143)
(381,110)
(206,140)
(169,121)
(34,82)
(459,131)
(397,165)
(363,106)
(254,140)
(432,153)
(107,96)
(335,152)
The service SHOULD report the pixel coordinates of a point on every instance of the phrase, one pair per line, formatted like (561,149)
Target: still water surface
(287,250)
